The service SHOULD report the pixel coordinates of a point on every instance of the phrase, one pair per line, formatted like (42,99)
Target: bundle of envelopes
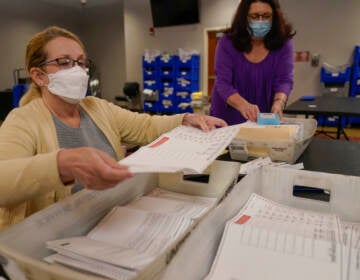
(131,237)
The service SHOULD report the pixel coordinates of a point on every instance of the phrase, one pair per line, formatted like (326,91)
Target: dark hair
(280,31)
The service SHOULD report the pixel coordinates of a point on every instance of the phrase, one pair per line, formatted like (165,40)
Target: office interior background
(116,32)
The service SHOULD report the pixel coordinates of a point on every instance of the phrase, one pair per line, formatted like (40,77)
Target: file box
(22,246)
(288,151)
(199,250)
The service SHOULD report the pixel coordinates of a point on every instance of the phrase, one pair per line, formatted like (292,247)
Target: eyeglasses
(266,16)
(67,62)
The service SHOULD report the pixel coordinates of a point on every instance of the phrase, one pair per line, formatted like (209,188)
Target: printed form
(130,237)
(267,238)
(184,148)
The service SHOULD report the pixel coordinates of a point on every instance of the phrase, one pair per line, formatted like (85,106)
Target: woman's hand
(277,108)
(92,168)
(247,110)
(204,122)
(279,104)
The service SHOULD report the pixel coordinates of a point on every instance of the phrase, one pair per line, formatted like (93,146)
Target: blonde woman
(59,140)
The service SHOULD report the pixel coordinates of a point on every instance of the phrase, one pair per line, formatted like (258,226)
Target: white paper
(252,165)
(351,251)
(267,238)
(182,149)
(195,199)
(93,266)
(130,237)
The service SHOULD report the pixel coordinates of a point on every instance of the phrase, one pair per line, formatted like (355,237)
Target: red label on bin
(243,219)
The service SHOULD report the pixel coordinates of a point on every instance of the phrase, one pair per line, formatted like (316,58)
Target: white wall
(325,27)
(99,26)
(103,33)
(15,31)
(116,35)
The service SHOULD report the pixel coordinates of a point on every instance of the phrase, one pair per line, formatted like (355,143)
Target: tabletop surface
(332,156)
(328,155)
(349,106)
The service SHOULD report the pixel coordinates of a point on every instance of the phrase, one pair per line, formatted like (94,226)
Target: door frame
(206,54)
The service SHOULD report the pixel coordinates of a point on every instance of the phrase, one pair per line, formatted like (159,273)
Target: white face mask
(70,84)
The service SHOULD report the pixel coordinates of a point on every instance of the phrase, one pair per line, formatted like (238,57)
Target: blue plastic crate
(192,62)
(189,74)
(151,84)
(151,106)
(183,96)
(354,120)
(167,106)
(355,82)
(357,56)
(187,85)
(151,63)
(166,83)
(167,73)
(331,121)
(167,92)
(183,107)
(18,92)
(328,77)
(168,61)
(150,74)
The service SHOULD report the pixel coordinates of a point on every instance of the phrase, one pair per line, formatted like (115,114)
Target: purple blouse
(256,82)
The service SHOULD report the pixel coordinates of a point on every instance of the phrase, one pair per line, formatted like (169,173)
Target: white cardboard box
(23,247)
(199,250)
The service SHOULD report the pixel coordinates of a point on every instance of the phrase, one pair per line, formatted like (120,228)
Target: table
(332,156)
(327,106)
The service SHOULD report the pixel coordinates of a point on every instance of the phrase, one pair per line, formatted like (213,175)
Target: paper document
(247,168)
(267,240)
(351,250)
(131,237)
(184,148)
(284,132)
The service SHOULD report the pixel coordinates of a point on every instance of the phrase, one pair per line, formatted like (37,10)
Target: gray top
(87,135)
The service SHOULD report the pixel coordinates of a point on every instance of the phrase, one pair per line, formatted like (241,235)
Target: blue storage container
(150,73)
(150,62)
(167,60)
(335,77)
(18,92)
(331,121)
(192,61)
(184,107)
(151,84)
(151,106)
(169,75)
(183,96)
(188,73)
(355,75)
(167,106)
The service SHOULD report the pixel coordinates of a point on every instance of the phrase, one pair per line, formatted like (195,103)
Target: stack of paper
(184,148)
(131,237)
(267,240)
(284,132)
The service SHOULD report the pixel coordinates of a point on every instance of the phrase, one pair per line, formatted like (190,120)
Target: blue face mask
(260,28)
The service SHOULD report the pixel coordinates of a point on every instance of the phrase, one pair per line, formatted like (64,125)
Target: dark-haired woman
(253,63)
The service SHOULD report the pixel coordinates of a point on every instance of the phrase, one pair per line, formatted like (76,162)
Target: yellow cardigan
(29,178)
